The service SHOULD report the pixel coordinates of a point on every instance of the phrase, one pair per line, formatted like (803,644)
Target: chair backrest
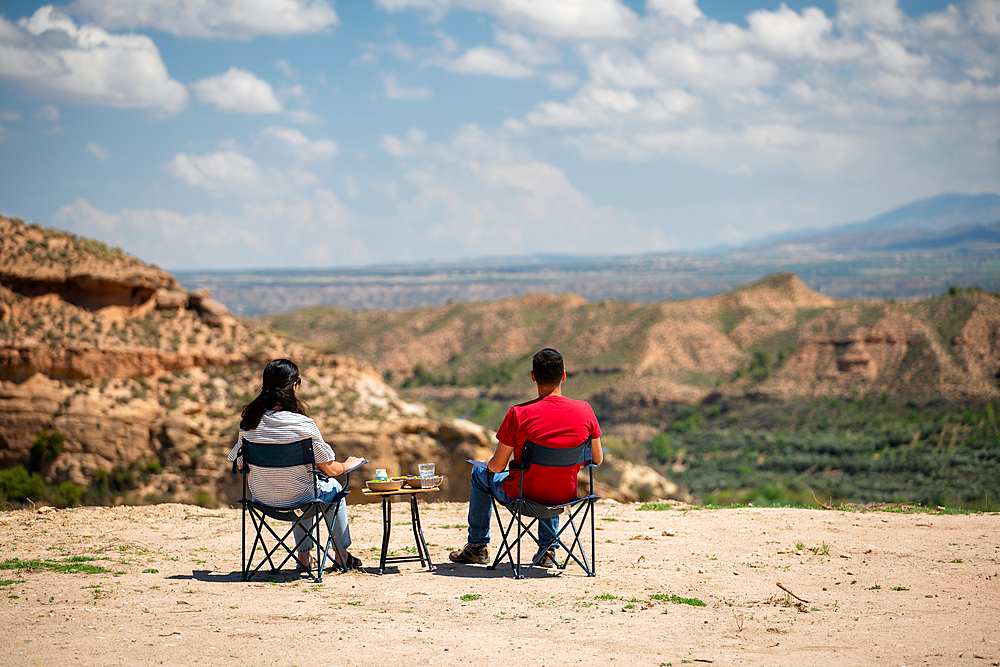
(533,454)
(264,455)
(278,456)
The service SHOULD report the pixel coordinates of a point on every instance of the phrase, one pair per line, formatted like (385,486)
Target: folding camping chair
(525,512)
(305,514)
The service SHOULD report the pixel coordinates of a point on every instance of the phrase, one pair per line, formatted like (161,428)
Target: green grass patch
(72,565)
(656,507)
(676,599)
(470,597)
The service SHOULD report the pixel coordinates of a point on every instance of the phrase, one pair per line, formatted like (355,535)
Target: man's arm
(501,456)
(596,451)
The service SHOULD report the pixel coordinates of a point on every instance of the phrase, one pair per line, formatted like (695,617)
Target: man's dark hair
(547,365)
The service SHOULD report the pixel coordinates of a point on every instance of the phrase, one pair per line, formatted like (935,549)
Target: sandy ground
(893,589)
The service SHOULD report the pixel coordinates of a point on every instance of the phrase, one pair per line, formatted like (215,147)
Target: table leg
(418,534)
(386,527)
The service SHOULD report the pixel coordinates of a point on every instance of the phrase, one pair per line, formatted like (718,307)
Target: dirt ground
(883,588)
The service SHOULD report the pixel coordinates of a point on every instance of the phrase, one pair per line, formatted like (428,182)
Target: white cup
(380,474)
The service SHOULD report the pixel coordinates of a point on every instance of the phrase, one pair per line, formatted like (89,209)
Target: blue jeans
(328,489)
(480,507)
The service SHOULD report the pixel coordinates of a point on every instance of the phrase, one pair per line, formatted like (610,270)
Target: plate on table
(413,481)
(388,485)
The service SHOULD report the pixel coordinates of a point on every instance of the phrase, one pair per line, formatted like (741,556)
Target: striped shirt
(283,487)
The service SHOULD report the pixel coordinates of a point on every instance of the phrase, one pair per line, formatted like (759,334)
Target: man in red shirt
(551,420)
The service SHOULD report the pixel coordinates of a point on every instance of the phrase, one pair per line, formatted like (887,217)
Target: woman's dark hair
(276,393)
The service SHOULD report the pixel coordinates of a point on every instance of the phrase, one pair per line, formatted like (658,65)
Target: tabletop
(399,492)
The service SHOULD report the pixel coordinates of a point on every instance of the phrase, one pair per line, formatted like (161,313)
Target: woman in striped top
(277,416)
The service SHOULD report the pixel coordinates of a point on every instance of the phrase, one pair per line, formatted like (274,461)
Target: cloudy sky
(235,134)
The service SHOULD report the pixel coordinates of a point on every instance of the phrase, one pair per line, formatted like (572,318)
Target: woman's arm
(338,468)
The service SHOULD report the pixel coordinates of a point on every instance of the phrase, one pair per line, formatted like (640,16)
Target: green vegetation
(676,599)
(71,565)
(46,447)
(469,597)
(18,485)
(868,450)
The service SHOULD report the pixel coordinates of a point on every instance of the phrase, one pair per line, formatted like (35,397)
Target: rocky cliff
(146,381)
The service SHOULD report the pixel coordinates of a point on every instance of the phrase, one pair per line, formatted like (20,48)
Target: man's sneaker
(471,554)
(548,559)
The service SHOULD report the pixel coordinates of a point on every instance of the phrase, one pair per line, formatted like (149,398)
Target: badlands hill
(774,339)
(142,383)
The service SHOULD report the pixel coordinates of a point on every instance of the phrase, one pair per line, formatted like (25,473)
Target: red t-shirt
(552,421)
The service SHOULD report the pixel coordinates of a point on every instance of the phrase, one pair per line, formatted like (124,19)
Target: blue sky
(241,134)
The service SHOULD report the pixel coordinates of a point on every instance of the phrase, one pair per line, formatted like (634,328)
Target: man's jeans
(328,489)
(480,507)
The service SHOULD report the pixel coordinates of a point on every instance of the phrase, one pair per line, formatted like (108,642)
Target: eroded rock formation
(146,380)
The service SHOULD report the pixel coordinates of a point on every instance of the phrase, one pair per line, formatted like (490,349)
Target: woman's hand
(350,462)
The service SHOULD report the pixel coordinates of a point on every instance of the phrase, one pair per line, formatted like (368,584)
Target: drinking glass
(426,475)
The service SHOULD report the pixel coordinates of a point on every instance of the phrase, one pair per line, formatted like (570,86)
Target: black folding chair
(525,512)
(306,515)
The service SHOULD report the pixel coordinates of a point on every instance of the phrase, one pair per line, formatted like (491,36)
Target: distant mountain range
(914,251)
(944,221)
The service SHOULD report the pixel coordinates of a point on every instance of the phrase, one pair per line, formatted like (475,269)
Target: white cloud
(678,62)
(486,60)
(620,68)
(303,117)
(47,113)
(313,230)
(98,151)
(531,51)
(685,11)
(877,14)
(401,148)
(396,91)
(787,33)
(480,193)
(595,106)
(215,172)
(303,148)
(238,91)
(50,57)
(562,80)
(9,116)
(985,16)
(232,19)
(563,19)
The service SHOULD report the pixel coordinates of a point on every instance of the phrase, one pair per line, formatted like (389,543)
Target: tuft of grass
(469,597)
(71,565)
(658,507)
(605,596)
(676,599)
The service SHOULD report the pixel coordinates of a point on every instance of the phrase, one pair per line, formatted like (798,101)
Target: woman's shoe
(352,563)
